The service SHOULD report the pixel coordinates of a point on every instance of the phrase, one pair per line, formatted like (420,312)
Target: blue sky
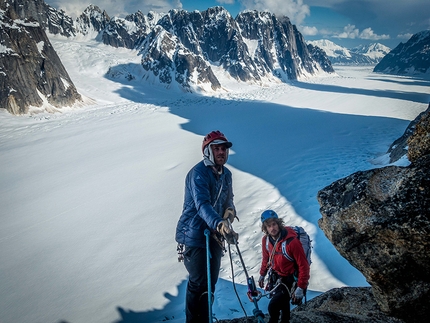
(345,22)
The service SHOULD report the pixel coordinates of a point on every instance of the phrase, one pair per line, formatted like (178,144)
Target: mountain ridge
(412,57)
(360,55)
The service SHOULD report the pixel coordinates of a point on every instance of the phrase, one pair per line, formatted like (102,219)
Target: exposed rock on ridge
(399,147)
(31,71)
(379,220)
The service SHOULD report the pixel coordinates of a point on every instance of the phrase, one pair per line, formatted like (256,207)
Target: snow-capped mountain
(376,50)
(190,50)
(412,57)
(186,48)
(361,55)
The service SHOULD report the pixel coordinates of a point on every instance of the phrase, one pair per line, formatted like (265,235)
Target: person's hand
(227,232)
(230,214)
(261,281)
(297,296)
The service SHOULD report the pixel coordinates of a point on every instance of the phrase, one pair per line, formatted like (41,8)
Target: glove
(297,296)
(229,214)
(230,236)
(261,281)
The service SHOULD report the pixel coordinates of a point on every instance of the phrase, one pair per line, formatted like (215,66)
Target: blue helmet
(268,214)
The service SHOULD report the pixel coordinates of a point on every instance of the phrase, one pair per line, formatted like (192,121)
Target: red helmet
(215,135)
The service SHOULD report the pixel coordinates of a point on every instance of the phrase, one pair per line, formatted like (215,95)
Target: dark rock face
(320,56)
(30,66)
(379,220)
(419,141)
(412,57)
(399,147)
(127,32)
(55,21)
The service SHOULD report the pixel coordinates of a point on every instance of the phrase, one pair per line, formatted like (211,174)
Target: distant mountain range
(360,55)
(178,49)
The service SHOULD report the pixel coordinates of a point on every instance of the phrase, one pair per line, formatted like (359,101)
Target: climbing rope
(253,293)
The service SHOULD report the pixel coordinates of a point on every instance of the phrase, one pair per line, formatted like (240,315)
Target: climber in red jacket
(285,259)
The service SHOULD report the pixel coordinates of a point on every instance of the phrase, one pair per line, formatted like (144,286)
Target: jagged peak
(93,11)
(218,12)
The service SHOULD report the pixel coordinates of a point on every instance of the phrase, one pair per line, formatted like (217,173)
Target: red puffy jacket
(280,263)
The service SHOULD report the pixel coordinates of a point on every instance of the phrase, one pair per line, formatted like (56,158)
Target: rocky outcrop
(419,141)
(399,147)
(412,57)
(379,220)
(31,73)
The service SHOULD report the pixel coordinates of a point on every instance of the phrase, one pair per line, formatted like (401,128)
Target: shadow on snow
(286,146)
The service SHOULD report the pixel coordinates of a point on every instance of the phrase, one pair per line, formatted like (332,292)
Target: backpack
(304,239)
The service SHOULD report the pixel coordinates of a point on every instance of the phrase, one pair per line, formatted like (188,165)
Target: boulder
(379,220)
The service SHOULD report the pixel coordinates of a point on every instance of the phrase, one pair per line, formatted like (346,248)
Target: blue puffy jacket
(207,195)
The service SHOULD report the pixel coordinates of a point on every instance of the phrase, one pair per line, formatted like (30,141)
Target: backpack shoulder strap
(284,249)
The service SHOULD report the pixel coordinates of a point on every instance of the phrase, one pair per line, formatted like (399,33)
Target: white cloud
(221,2)
(351,32)
(369,34)
(308,31)
(296,10)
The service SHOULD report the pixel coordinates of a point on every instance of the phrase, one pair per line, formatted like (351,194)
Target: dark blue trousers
(196,307)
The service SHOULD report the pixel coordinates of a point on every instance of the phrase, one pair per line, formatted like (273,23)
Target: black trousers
(196,299)
(279,304)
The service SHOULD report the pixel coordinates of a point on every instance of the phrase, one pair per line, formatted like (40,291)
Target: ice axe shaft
(252,289)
